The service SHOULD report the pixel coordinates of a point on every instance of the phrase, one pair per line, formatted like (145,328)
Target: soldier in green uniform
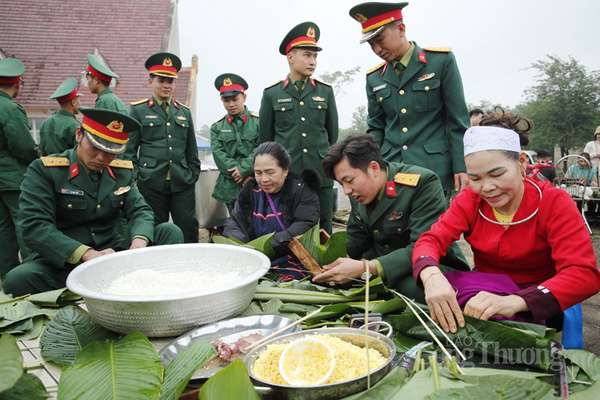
(98,77)
(392,204)
(17,150)
(299,112)
(233,139)
(57,133)
(70,206)
(164,150)
(416,104)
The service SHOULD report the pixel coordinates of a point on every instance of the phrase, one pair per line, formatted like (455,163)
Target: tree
(564,104)
(359,123)
(338,79)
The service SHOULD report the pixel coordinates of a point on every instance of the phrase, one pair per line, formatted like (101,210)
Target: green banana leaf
(232,382)
(180,370)
(11,362)
(68,333)
(385,388)
(37,326)
(324,254)
(586,361)
(54,298)
(129,368)
(262,243)
(28,387)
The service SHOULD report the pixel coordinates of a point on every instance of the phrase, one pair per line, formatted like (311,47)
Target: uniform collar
(405,59)
(62,111)
(105,91)
(243,116)
(4,94)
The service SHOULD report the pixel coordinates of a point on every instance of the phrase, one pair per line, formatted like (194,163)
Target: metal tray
(229,331)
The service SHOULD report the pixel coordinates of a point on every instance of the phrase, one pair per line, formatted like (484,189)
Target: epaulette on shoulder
(273,84)
(127,164)
(375,68)
(142,101)
(181,104)
(254,114)
(55,161)
(438,49)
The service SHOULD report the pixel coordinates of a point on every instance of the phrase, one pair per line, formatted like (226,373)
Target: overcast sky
(494,42)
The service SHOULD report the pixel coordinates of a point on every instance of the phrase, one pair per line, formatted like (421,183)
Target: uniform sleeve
(67,136)
(433,244)
(18,138)
(139,214)
(360,240)
(266,131)
(131,152)
(37,215)
(457,115)
(375,117)
(331,123)
(191,151)
(222,159)
(577,277)
(426,207)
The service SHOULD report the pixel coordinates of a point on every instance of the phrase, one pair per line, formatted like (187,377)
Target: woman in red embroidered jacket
(524,229)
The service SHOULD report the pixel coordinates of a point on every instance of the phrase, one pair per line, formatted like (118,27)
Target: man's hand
(138,243)
(485,305)
(91,253)
(235,174)
(441,299)
(342,271)
(461,181)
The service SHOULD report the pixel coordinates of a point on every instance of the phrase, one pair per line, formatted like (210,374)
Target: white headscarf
(480,138)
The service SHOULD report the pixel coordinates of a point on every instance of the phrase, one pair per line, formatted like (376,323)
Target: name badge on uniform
(379,87)
(426,77)
(226,130)
(318,98)
(288,100)
(72,192)
(121,190)
(181,118)
(395,215)
(151,116)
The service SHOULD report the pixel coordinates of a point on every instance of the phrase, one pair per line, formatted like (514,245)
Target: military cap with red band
(230,84)
(374,16)
(107,130)
(304,35)
(11,70)
(97,68)
(163,64)
(68,90)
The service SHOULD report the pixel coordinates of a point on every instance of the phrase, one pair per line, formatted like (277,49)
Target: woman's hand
(484,305)
(441,299)
(342,271)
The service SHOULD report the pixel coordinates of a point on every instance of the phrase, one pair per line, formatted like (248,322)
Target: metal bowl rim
(76,287)
(336,330)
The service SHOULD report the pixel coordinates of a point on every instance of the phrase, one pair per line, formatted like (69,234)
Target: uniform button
(69,205)
(98,206)
(170,148)
(170,161)
(401,92)
(302,119)
(405,147)
(282,108)
(319,107)
(168,124)
(169,136)
(305,150)
(403,111)
(405,129)
(151,123)
(303,134)
(301,103)
(426,88)
(93,233)
(380,99)
(144,164)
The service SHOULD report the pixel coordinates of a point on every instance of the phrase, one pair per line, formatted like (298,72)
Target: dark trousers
(34,276)
(326,205)
(180,205)
(11,240)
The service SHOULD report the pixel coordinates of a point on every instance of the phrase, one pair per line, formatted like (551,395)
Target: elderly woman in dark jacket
(275,201)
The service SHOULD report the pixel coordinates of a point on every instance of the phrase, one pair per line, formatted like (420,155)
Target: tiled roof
(53,38)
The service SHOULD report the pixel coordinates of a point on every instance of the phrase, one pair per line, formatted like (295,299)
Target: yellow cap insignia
(227,82)
(407,179)
(167,62)
(115,126)
(360,18)
(311,32)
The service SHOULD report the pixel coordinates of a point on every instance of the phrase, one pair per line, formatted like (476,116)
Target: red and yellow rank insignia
(422,57)
(390,189)
(404,179)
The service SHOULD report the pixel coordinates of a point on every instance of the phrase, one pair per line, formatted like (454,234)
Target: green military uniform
(232,140)
(387,229)
(17,150)
(66,209)
(110,101)
(165,154)
(106,99)
(302,116)
(416,106)
(57,133)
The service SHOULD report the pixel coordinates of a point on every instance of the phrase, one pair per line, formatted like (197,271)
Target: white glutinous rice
(149,282)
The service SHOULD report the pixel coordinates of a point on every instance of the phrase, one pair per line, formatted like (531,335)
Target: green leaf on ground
(180,370)
(28,387)
(232,382)
(11,362)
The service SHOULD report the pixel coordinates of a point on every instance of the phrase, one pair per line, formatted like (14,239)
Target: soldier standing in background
(57,133)
(98,80)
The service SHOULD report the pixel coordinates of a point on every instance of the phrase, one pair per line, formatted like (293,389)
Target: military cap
(304,35)
(230,84)
(374,16)
(97,68)
(11,70)
(163,64)
(67,90)
(107,130)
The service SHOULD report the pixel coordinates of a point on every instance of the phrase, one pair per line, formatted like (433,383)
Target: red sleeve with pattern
(432,245)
